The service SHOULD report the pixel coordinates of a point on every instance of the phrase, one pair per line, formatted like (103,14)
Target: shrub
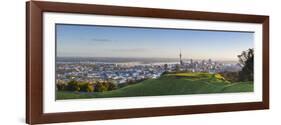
(61,86)
(111,86)
(231,76)
(83,86)
(90,88)
(72,86)
(100,87)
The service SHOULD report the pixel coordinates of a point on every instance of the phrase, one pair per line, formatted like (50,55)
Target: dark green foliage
(90,88)
(77,86)
(166,67)
(83,87)
(86,87)
(61,86)
(111,86)
(246,59)
(100,87)
(177,67)
(73,86)
(231,76)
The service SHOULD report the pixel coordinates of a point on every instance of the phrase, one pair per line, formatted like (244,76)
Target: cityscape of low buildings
(120,73)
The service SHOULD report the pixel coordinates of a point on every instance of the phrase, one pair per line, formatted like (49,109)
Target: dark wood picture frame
(34,61)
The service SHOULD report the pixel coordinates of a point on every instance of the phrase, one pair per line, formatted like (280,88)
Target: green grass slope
(170,84)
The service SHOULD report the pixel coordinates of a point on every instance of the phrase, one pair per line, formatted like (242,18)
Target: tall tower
(180,58)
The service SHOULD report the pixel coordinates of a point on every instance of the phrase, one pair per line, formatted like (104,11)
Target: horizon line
(144,57)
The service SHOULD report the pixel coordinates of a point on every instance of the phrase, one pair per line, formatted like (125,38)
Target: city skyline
(132,42)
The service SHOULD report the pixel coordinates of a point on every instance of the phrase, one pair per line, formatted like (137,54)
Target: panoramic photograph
(95,61)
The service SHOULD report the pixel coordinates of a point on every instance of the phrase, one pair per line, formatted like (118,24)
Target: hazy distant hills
(124,60)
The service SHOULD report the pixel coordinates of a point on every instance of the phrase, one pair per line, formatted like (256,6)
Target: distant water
(115,60)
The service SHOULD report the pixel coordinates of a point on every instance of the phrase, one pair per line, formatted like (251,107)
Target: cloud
(100,40)
(97,41)
(132,50)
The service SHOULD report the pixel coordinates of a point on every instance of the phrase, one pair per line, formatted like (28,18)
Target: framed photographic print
(95,62)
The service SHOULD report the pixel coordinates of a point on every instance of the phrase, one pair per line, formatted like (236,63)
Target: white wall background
(12,63)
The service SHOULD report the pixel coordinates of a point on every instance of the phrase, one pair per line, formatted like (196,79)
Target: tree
(231,76)
(246,59)
(60,86)
(73,86)
(100,87)
(86,87)
(166,67)
(111,86)
(177,67)
(90,88)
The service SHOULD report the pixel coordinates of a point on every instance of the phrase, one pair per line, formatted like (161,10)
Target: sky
(108,41)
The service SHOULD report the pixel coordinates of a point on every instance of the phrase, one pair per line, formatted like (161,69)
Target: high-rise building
(181,63)
(210,61)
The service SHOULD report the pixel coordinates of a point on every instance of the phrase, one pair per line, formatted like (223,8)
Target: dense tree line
(246,60)
(86,86)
